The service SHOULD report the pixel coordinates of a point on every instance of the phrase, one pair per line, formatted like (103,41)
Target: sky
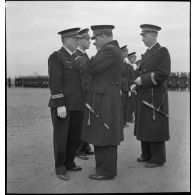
(32,26)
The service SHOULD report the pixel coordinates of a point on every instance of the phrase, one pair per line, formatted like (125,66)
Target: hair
(64,39)
(109,34)
(155,34)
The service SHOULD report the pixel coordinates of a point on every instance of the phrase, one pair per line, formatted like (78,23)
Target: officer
(9,82)
(84,43)
(131,99)
(66,103)
(188,81)
(132,60)
(125,84)
(151,119)
(183,81)
(103,124)
(174,81)
(16,81)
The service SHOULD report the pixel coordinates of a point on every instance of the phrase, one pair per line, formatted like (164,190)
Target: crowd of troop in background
(178,81)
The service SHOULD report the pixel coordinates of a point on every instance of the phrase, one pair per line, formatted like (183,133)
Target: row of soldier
(28,81)
(176,82)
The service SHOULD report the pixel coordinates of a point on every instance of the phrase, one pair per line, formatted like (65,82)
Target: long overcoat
(85,78)
(125,77)
(65,81)
(104,97)
(154,72)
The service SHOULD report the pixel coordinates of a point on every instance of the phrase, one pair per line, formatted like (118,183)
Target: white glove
(133,88)
(129,94)
(61,112)
(138,81)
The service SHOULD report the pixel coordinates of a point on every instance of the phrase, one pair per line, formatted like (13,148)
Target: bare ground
(30,161)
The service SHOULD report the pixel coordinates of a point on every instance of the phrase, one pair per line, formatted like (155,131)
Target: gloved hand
(61,112)
(133,88)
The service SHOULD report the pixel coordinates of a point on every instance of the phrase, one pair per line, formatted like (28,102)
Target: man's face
(85,43)
(99,41)
(125,52)
(73,43)
(148,38)
(132,59)
(97,48)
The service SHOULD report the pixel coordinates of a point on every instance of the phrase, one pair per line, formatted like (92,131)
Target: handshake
(136,83)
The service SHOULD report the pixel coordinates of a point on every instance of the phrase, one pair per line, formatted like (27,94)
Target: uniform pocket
(96,96)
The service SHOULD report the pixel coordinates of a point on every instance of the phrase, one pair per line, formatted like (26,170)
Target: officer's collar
(152,46)
(68,50)
(81,50)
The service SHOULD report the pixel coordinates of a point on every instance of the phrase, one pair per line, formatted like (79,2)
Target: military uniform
(183,83)
(105,99)
(125,88)
(131,99)
(84,147)
(66,90)
(9,82)
(152,127)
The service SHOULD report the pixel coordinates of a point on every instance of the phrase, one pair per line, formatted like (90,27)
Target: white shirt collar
(81,50)
(152,46)
(68,50)
(134,65)
(126,60)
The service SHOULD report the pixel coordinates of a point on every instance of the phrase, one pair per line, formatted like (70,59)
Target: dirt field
(30,160)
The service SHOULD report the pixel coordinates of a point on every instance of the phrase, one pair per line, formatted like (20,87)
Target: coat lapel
(149,54)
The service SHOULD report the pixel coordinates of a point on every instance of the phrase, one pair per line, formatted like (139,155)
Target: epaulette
(58,51)
(160,47)
(109,46)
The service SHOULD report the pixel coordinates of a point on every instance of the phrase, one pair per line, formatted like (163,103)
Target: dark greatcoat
(65,80)
(104,97)
(156,60)
(125,84)
(130,99)
(85,78)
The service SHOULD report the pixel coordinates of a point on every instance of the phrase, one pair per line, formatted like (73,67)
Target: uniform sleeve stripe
(152,78)
(57,96)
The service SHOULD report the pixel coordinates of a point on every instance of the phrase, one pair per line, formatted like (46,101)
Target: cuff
(152,78)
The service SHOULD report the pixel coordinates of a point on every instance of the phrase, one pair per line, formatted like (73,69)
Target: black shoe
(75,168)
(100,177)
(141,159)
(62,176)
(132,121)
(153,165)
(83,157)
(89,153)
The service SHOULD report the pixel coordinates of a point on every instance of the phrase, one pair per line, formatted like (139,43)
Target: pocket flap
(100,90)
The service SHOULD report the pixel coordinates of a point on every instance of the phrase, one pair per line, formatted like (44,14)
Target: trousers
(66,137)
(106,160)
(154,151)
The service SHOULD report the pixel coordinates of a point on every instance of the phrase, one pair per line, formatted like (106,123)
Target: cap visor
(76,36)
(93,37)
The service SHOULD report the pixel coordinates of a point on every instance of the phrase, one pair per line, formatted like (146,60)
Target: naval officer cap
(101,29)
(147,28)
(124,47)
(72,32)
(84,33)
(131,54)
